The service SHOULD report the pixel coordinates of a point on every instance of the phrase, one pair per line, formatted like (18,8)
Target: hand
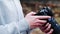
(34,21)
(47,29)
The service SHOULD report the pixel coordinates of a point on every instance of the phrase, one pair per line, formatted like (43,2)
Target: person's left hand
(47,29)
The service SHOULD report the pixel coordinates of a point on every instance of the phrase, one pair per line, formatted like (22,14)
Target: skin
(35,21)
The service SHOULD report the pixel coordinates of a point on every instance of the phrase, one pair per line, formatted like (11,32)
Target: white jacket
(11,18)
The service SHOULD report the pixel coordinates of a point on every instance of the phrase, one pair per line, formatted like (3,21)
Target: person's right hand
(35,21)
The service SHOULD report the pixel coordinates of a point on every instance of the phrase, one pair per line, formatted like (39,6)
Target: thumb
(32,13)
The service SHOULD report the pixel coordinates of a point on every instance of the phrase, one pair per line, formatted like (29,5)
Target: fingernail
(52,29)
(49,16)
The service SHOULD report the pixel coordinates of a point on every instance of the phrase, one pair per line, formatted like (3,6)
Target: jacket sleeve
(7,7)
(13,27)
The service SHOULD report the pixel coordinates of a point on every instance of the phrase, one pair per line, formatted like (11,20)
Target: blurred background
(35,5)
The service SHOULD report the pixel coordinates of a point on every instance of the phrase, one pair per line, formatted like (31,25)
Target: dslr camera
(46,11)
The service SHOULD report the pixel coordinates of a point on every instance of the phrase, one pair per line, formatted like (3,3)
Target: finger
(42,17)
(41,21)
(50,32)
(31,13)
(37,24)
(44,27)
(48,28)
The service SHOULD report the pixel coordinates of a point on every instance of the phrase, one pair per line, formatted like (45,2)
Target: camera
(46,11)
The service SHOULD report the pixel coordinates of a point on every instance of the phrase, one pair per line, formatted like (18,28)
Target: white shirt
(11,18)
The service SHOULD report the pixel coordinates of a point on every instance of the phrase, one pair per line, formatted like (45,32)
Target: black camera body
(46,11)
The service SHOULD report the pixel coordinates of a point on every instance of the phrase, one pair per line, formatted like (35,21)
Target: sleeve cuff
(23,25)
